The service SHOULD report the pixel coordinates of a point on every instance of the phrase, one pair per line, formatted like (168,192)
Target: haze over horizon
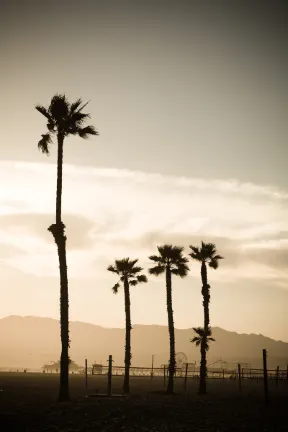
(191,105)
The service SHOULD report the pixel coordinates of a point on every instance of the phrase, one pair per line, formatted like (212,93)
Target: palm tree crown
(202,337)
(172,257)
(126,269)
(207,253)
(65,119)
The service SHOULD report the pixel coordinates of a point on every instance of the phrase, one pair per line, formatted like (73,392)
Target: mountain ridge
(31,341)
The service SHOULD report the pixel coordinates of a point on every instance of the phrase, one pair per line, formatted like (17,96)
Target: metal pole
(185,378)
(265,376)
(86,373)
(239,377)
(109,390)
(277,376)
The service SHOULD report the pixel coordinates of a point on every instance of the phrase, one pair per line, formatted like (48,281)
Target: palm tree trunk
(172,362)
(60,139)
(203,364)
(58,232)
(128,355)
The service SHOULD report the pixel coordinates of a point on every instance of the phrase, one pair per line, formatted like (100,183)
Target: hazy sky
(191,103)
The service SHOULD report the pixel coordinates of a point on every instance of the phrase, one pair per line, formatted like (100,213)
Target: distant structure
(191,367)
(97,369)
(54,367)
(221,364)
(181,360)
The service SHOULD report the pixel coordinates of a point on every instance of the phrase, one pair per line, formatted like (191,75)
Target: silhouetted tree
(63,119)
(129,275)
(202,339)
(206,254)
(171,261)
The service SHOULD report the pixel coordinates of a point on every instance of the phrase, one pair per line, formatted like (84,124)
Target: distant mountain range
(30,342)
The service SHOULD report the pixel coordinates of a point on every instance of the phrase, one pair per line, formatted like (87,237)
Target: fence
(212,373)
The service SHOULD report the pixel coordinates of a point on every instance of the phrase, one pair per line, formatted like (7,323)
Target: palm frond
(135,270)
(131,263)
(77,118)
(133,282)
(218,257)
(43,111)
(115,288)
(199,331)
(112,269)
(208,250)
(44,143)
(155,258)
(75,105)
(181,270)
(122,265)
(196,253)
(207,346)
(213,264)
(59,108)
(87,131)
(51,126)
(176,254)
(196,340)
(142,278)
(157,270)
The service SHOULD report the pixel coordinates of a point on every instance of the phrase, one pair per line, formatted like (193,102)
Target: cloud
(34,225)
(113,213)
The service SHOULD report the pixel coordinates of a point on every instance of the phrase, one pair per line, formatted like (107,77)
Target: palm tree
(129,275)
(63,119)
(171,261)
(206,254)
(200,339)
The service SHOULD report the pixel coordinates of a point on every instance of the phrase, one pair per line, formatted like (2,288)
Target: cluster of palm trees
(171,261)
(64,119)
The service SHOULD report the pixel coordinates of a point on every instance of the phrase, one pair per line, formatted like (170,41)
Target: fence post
(223,374)
(277,376)
(86,373)
(164,375)
(152,372)
(109,390)
(265,376)
(185,378)
(239,377)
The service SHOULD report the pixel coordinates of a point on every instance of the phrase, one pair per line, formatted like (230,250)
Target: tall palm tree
(63,119)
(171,261)
(207,253)
(129,275)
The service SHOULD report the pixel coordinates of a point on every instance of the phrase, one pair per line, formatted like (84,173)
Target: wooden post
(185,378)
(152,372)
(109,389)
(265,376)
(164,376)
(86,373)
(239,377)
(277,376)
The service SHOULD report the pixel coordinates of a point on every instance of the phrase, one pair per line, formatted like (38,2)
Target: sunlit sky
(190,102)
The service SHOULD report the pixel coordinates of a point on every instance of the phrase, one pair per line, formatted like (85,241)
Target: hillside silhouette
(32,341)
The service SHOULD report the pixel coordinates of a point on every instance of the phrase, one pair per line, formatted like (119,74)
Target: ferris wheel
(181,360)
